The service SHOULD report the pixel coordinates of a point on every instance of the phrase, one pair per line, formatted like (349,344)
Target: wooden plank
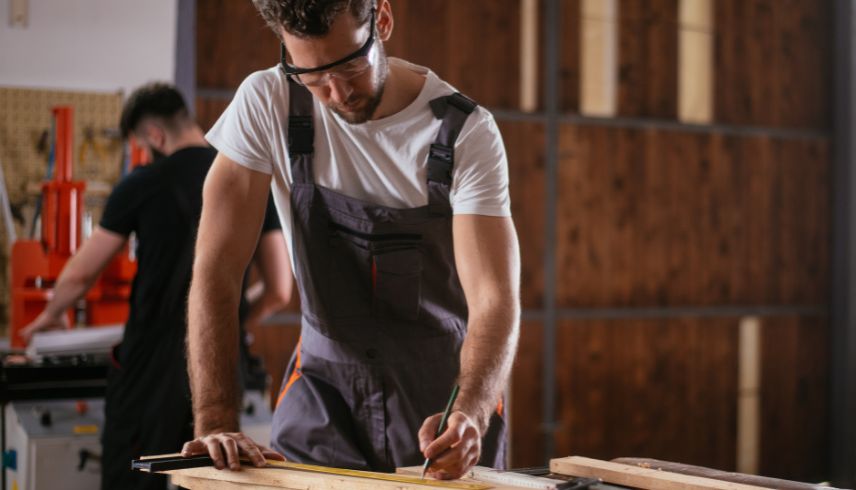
(195,483)
(803,47)
(416,21)
(749,396)
(743,61)
(636,477)
(569,54)
(665,389)
(232,41)
(469,64)
(598,57)
(748,479)
(647,58)
(529,55)
(794,394)
(772,62)
(526,407)
(695,61)
(455,50)
(208,111)
(278,478)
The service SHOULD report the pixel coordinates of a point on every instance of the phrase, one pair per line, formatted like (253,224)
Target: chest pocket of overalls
(375,274)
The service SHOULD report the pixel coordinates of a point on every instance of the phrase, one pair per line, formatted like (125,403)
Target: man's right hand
(44,322)
(226,449)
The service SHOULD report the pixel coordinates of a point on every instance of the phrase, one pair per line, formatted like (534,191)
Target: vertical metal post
(552,19)
(842,427)
(185,52)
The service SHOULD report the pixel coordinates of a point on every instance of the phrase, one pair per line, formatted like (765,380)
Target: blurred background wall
(93,45)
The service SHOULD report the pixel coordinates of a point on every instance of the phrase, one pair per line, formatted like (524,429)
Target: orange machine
(36,264)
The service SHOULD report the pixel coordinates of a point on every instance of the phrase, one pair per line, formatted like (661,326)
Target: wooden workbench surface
(209,478)
(269,478)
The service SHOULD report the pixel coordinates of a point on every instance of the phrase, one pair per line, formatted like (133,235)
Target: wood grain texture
(599,57)
(232,41)
(794,396)
(648,58)
(439,34)
(663,218)
(526,407)
(209,110)
(569,55)
(524,144)
(278,475)
(663,388)
(695,61)
(772,63)
(636,477)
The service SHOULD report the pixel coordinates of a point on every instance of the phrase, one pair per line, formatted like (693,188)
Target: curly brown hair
(310,18)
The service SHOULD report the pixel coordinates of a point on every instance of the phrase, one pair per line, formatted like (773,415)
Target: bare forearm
(66,292)
(486,358)
(266,305)
(212,350)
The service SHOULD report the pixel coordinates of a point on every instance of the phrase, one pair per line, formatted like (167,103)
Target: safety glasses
(347,68)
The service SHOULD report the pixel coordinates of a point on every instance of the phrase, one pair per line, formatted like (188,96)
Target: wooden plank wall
(667,235)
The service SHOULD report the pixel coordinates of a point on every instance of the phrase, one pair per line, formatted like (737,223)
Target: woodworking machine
(37,263)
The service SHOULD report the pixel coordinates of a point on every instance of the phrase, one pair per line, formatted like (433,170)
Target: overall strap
(453,110)
(301,134)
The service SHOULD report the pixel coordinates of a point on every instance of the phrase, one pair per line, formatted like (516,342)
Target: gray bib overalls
(383,313)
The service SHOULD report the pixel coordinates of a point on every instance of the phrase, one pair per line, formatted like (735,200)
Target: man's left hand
(456,450)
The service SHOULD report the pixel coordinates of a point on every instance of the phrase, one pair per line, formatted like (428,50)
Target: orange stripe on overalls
(295,375)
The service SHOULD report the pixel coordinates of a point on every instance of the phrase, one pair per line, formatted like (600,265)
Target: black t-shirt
(160,203)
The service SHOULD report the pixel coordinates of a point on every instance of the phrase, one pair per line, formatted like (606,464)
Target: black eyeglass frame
(291,70)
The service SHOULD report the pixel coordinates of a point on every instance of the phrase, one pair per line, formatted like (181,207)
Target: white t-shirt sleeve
(480,177)
(243,131)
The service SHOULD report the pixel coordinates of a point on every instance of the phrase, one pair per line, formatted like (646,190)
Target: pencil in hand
(442,426)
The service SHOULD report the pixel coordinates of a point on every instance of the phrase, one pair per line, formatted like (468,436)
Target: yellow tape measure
(373,475)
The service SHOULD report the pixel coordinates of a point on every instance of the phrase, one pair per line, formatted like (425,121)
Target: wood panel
(417,22)
(524,144)
(439,34)
(526,407)
(794,396)
(772,62)
(663,388)
(648,58)
(208,111)
(569,54)
(232,41)
(659,218)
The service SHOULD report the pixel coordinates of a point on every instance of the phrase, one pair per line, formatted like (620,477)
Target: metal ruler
(170,462)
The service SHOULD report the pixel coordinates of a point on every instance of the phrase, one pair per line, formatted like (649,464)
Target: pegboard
(25,115)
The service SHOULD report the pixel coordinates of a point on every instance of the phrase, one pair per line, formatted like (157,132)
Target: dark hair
(160,100)
(310,18)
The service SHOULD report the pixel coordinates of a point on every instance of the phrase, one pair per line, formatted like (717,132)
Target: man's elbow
(497,305)
(278,298)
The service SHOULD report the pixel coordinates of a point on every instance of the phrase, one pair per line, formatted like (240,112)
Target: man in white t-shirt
(393,194)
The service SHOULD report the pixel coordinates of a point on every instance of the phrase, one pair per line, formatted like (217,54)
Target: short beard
(373,101)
